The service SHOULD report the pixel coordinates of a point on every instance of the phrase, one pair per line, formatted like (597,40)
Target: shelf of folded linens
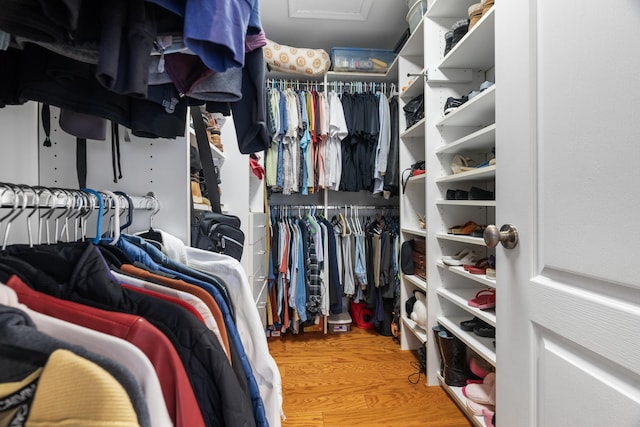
(461,297)
(456,395)
(481,345)
(479,111)
(480,278)
(476,50)
(485,173)
(415,329)
(415,131)
(474,203)
(417,281)
(480,141)
(422,232)
(463,238)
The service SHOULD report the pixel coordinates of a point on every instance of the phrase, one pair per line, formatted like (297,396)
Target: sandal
(464,229)
(485,298)
(461,164)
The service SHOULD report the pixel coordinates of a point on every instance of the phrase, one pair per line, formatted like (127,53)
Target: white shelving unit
(411,70)
(469,131)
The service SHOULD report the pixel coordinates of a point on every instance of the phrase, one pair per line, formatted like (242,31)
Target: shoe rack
(411,83)
(468,131)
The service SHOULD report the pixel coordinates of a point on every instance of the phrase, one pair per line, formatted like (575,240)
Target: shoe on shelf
(448,37)
(477,193)
(490,273)
(486,85)
(486,331)
(486,5)
(475,13)
(477,368)
(484,299)
(470,257)
(464,229)
(457,195)
(477,409)
(468,325)
(485,393)
(461,164)
(460,29)
(489,418)
(452,103)
(457,257)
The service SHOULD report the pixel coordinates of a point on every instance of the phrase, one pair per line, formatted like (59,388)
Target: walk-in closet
(300,213)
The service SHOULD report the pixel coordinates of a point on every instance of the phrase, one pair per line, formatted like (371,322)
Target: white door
(568,177)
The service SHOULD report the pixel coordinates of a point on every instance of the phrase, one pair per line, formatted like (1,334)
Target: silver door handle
(508,236)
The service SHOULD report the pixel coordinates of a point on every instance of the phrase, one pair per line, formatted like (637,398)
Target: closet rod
(26,196)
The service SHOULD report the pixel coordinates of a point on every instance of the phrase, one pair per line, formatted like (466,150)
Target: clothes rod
(21,196)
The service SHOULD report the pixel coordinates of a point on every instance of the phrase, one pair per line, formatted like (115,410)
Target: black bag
(406,257)
(216,232)
(414,110)
(213,231)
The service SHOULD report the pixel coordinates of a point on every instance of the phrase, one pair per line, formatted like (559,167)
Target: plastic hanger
(152,234)
(129,209)
(17,200)
(97,195)
(116,217)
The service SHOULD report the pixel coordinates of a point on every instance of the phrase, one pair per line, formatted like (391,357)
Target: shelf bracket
(449,75)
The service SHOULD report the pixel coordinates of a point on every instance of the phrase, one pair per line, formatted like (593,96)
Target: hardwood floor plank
(357,379)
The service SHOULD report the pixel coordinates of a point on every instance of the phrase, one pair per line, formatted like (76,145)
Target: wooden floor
(356,379)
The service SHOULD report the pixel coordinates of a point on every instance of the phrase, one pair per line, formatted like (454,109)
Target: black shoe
(448,37)
(476,193)
(457,195)
(453,103)
(460,29)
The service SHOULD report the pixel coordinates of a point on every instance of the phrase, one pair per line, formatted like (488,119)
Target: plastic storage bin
(415,14)
(361,60)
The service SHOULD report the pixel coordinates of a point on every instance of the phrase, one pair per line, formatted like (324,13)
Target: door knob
(508,236)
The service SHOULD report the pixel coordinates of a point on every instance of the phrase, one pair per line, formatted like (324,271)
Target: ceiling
(323,24)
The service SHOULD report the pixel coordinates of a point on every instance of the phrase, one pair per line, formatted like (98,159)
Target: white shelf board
(415,231)
(416,281)
(414,89)
(476,49)
(484,173)
(449,8)
(481,141)
(417,330)
(473,203)
(479,111)
(415,131)
(417,179)
(461,238)
(415,43)
(365,77)
(461,401)
(481,345)
(460,297)
(480,278)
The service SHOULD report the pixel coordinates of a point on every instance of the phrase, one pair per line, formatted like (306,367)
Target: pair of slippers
(478,327)
(481,397)
(484,299)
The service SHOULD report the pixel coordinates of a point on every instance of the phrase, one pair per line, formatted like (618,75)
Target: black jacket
(78,272)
